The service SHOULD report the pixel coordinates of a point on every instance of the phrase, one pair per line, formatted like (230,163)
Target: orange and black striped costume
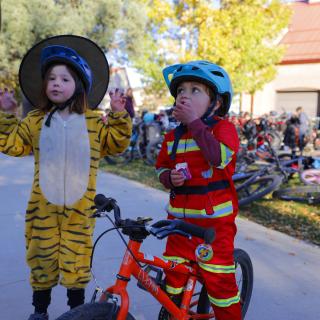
(66,157)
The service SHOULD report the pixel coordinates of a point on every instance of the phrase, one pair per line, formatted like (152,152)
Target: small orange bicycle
(193,305)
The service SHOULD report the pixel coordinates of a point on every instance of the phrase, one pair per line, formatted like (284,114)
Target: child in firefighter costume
(63,75)
(196,163)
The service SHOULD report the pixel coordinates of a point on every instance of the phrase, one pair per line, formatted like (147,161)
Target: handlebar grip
(103,203)
(100,200)
(207,234)
(169,226)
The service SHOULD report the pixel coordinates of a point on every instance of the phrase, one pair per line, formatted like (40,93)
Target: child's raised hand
(118,99)
(184,112)
(177,178)
(8,102)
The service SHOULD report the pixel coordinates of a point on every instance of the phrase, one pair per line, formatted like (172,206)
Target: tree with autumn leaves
(240,35)
(116,25)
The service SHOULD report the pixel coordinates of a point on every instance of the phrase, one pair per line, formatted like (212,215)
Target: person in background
(130,103)
(291,133)
(304,125)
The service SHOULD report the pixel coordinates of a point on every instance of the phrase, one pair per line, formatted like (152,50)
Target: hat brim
(30,70)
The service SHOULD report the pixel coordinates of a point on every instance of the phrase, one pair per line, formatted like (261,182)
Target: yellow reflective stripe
(161,170)
(226,156)
(221,210)
(172,290)
(183,210)
(184,145)
(176,259)
(217,268)
(225,302)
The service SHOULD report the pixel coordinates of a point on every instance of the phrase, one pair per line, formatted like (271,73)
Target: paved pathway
(287,277)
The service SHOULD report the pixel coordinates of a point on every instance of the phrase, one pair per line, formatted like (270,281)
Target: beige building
(298,78)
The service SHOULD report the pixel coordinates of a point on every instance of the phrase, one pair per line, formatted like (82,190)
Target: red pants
(217,273)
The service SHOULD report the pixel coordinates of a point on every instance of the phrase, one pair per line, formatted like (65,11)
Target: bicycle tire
(120,159)
(305,194)
(256,189)
(243,175)
(242,259)
(152,151)
(285,156)
(94,311)
(310,176)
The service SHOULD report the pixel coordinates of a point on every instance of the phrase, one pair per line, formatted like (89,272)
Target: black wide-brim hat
(30,77)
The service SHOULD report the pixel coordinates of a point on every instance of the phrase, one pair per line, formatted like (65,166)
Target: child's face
(61,85)
(196,94)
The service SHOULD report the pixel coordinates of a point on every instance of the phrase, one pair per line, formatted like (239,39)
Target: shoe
(39,316)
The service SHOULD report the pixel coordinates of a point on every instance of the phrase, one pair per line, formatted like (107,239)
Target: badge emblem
(204,252)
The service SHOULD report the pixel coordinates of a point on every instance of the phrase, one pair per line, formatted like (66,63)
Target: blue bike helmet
(148,118)
(56,53)
(202,71)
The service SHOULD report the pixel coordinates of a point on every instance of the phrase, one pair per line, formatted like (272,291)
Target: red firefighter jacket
(210,193)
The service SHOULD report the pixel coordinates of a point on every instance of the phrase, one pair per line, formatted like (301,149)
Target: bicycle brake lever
(98,214)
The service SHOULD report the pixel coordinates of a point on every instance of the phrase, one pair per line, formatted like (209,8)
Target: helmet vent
(217,73)
(179,69)
(195,68)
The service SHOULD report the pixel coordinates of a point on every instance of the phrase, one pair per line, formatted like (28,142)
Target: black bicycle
(304,194)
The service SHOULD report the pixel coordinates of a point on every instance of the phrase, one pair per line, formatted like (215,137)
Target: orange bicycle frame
(129,266)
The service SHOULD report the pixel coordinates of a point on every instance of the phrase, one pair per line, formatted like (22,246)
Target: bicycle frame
(129,267)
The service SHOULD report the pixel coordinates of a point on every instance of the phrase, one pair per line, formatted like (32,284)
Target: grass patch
(136,170)
(298,220)
(295,219)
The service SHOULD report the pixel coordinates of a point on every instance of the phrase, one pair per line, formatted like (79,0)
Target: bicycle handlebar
(163,228)
(160,229)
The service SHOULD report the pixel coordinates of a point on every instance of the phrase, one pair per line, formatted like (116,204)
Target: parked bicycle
(154,147)
(304,194)
(310,177)
(194,305)
(259,178)
(136,149)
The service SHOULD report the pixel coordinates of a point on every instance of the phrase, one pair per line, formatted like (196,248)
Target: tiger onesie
(58,227)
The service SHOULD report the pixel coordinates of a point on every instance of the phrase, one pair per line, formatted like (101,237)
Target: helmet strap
(208,113)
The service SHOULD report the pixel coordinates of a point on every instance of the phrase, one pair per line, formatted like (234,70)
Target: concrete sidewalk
(287,277)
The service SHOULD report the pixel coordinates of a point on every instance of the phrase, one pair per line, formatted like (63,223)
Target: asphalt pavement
(286,270)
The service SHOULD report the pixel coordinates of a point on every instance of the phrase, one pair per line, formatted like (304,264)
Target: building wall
(302,81)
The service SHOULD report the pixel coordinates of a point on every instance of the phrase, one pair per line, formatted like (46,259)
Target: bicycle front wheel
(94,311)
(120,159)
(256,189)
(310,176)
(153,149)
(244,278)
(306,194)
